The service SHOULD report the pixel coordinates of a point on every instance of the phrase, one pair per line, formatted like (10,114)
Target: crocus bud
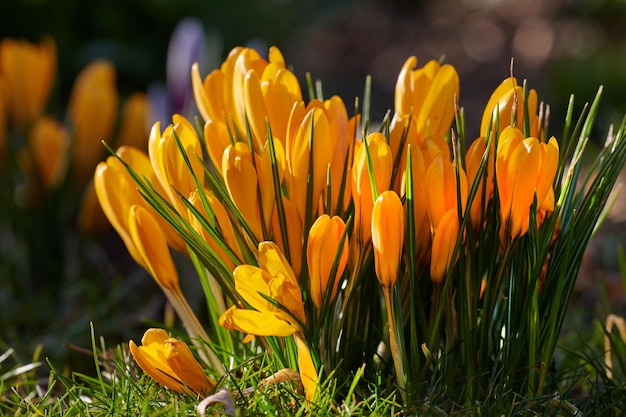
(152,247)
(387,236)
(134,121)
(29,70)
(442,189)
(473,160)
(313,142)
(117,192)
(323,244)
(170,362)
(444,241)
(169,164)
(221,222)
(93,113)
(382,164)
(48,143)
(241,180)
(421,221)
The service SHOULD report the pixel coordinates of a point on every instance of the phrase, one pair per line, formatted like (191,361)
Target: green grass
(116,386)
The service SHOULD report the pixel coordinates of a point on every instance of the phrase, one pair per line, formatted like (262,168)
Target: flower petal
(255,322)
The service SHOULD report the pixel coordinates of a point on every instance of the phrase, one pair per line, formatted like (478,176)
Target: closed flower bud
(473,160)
(382,164)
(48,143)
(241,178)
(309,153)
(29,70)
(323,244)
(387,236)
(134,128)
(152,247)
(444,241)
(442,189)
(93,113)
(169,164)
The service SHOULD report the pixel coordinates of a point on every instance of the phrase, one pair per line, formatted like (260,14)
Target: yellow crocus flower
(274,279)
(420,201)
(506,99)
(112,181)
(473,159)
(525,167)
(281,91)
(344,142)
(442,189)
(29,71)
(151,245)
(322,246)
(134,122)
(171,363)
(169,165)
(387,236)
(401,133)
(242,181)
(117,192)
(428,93)
(444,241)
(434,146)
(246,85)
(216,139)
(313,141)
(308,373)
(92,112)
(382,164)
(222,224)
(295,231)
(48,142)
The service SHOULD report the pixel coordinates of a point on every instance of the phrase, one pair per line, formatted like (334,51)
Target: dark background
(562,47)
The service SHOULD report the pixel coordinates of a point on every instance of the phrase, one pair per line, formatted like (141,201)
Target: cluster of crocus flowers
(293,208)
(54,152)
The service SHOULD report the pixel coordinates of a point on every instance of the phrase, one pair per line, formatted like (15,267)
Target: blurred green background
(562,47)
